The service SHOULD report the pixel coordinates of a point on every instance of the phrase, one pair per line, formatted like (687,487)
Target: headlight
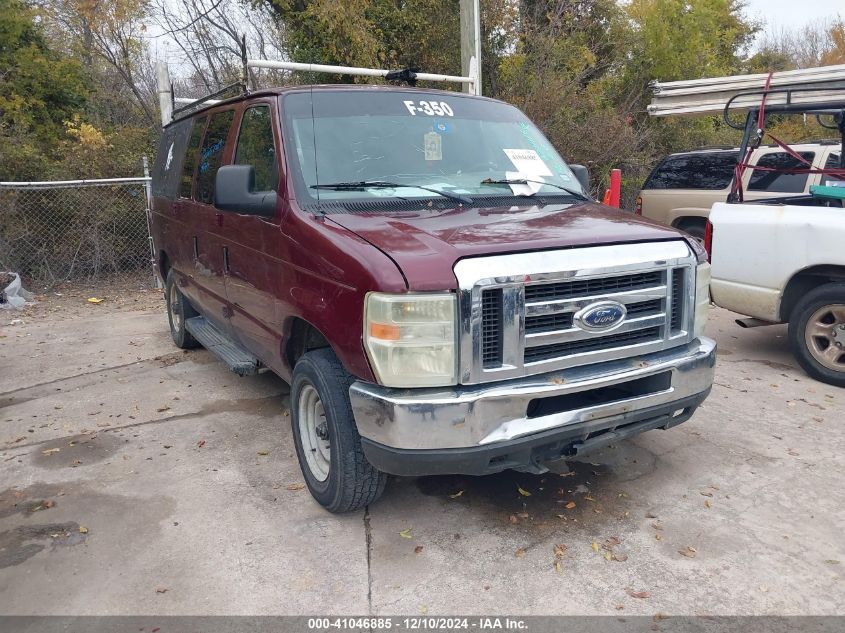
(702,298)
(410,339)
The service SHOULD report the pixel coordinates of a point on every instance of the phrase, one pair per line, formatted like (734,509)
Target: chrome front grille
(518,312)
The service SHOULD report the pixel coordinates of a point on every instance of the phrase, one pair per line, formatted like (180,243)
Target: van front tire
(817,333)
(326,438)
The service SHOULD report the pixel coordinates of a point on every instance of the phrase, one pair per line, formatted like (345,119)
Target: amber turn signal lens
(384,331)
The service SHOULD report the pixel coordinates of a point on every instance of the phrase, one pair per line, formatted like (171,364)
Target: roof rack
(410,76)
(706,96)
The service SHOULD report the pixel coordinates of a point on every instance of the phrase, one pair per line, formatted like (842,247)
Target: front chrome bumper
(491,415)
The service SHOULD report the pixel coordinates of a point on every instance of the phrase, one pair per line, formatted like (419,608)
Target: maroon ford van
(431,278)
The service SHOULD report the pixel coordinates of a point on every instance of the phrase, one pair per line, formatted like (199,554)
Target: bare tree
(208,33)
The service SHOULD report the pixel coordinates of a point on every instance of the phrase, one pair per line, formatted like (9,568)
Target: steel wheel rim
(175,309)
(314,433)
(825,336)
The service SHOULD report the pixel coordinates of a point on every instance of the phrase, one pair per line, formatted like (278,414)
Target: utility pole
(471,44)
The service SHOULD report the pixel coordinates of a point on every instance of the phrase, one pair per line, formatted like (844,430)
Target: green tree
(689,39)
(40,89)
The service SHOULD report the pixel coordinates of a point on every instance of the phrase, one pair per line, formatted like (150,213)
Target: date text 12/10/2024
(419,623)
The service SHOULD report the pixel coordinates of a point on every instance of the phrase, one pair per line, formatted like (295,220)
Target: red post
(615,187)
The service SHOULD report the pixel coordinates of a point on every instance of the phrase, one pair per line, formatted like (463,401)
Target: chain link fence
(90,231)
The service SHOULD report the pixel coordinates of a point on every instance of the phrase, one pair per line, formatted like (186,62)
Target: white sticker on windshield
(433,144)
(528,162)
(532,185)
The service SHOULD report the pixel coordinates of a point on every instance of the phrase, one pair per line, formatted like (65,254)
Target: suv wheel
(696,231)
(178,311)
(326,438)
(817,333)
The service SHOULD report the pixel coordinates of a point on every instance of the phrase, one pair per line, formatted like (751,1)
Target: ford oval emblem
(600,317)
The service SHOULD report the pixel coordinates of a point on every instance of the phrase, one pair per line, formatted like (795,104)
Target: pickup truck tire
(817,333)
(179,310)
(326,438)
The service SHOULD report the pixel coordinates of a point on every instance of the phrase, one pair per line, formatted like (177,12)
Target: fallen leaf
(523,492)
(94,300)
(522,515)
(620,558)
(571,473)
(650,515)
(83,529)
(163,409)
(50,451)
(610,543)
(520,552)
(689,552)
(512,519)
(296,486)
(558,566)
(832,561)
(161,589)
(657,537)
(764,589)
(457,494)
(706,493)
(49,504)
(201,443)
(660,616)
(708,503)
(657,526)
(263,452)
(406,533)
(595,546)
(559,550)
(608,556)
(589,498)
(637,594)
(418,549)
(570,505)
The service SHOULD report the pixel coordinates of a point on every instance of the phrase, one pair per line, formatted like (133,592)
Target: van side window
(256,147)
(190,163)
(212,154)
(780,182)
(711,171)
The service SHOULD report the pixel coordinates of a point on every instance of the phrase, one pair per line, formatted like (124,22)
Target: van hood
(426,244)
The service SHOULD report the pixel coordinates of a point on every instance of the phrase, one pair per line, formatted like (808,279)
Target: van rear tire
(326,438)
(179,310)
(817,333)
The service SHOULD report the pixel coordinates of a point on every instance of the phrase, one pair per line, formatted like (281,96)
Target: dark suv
(429,276)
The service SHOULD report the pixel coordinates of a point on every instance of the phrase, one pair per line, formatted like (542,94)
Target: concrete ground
(139,479)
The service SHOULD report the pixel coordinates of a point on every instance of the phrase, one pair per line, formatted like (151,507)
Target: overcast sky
(790,13)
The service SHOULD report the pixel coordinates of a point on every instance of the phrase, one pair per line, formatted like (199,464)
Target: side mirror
(583,176)
(233,191)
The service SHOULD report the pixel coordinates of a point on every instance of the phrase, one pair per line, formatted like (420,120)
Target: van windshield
(446,142)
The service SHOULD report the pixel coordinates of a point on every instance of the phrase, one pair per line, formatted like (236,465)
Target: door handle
(196,248)
(226,259)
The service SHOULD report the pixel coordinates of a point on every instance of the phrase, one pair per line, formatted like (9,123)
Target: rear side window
(190,162)
(167,169)
(776,181)
(256,147)
(711,171)
(211,156)
(832,163)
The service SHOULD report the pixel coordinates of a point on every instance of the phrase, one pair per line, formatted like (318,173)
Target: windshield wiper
(525,181)
(380,184)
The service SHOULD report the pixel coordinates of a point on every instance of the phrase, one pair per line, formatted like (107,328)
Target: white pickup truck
(785,263)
